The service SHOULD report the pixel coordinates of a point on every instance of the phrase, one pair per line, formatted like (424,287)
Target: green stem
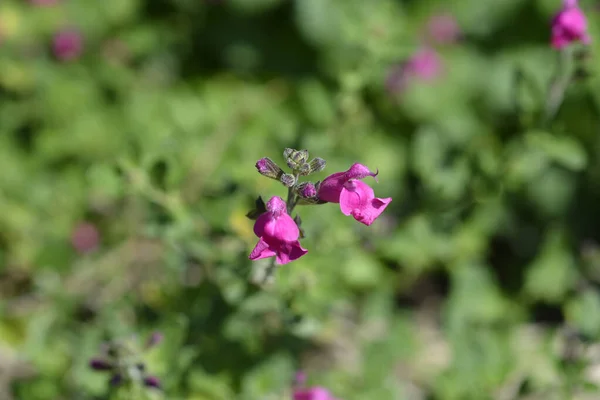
(559,85)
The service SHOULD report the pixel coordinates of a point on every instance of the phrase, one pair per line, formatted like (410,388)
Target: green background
(479,281)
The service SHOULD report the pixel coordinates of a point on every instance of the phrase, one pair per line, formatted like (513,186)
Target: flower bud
(306,190)
(316,165)
(295,158)
(266,167)
(288,180)
(152,381)
(100,365)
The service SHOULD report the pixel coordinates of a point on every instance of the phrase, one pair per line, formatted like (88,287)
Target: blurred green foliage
(480,281)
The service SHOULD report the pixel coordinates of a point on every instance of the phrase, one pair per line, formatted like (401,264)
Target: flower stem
(559,84)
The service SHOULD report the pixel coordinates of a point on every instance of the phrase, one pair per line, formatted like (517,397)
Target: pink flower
(278,234)
(569,26)
(67,45)
(424,65)
(314,393)
(443,29)
(85,238)
(356,198)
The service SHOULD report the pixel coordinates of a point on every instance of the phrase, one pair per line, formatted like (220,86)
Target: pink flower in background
(303,393)
(278,234)
(85,237)
(44,2)
(424,65)
(356,198)
(443,29)
(569,26)
(314,393)
(67,44)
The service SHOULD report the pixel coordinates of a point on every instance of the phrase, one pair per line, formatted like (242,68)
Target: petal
(315,393)
(262,220)
(359,201)
(370,213)
(290,251)
(359,171)
(281,229)
(355,195)
(331,187)
(261,250)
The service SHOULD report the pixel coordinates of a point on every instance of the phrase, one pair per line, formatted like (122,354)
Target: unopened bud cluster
(122,359)
(298,162)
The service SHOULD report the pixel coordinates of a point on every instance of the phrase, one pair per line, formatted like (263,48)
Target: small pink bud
(307,190)
(85,237)
(267,167)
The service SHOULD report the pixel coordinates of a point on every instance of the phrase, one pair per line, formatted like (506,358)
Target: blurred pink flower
(356,198)
(425,65)
(67,44)
(314,393)
(85,237)
(569,26)
(44,2)
(443,29)
(278,234)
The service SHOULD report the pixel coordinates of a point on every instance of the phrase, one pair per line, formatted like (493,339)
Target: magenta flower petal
(289,252)
(315,393)
(331,187)
(261,250)
(569,25)
(357,199)
(278,234)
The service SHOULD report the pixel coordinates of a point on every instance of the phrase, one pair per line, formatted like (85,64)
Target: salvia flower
(278,234)
(356,198)
(425,66)
(314,393)
(67,44)
(569,25)
(301,392)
